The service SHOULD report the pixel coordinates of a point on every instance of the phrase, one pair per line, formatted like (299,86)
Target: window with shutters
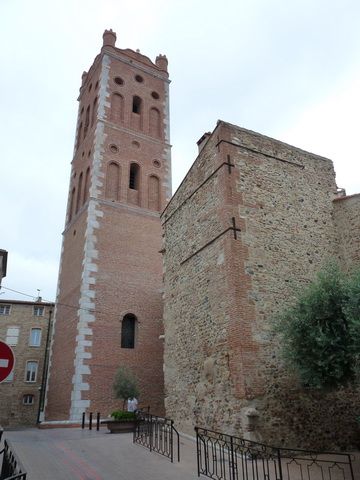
(12,335)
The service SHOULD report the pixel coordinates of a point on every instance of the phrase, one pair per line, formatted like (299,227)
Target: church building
(183,291)
(109,300)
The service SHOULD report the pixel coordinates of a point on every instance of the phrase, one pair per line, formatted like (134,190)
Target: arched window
(112,190)
(128,331)
(154,193)
(136,115)
(72,202)
(117,108)
(87,120)
(78,198)
(136,108)
(134,176)
(154,123)
(86,185)
(79,136)
(94,112)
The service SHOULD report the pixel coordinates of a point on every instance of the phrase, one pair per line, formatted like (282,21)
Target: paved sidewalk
(75,454)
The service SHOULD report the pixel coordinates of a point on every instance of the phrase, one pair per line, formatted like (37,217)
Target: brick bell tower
(109,299)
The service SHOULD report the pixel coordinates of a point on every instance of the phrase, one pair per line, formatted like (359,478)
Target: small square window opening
(38,311)
(5,309)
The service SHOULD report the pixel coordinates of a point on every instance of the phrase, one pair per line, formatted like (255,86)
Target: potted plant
(125,388)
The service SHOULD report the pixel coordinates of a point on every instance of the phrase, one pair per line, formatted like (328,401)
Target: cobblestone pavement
(75,454)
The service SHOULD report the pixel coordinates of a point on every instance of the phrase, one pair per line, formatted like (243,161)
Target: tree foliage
(320,333)
(125,385)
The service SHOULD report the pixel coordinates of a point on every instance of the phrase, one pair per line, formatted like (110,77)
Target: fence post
(232,457)
(136,425)
(172,441)
(90,420)
(279,461)
(351,468)
(197,451)
(83,421)
(98,421)
(151,431)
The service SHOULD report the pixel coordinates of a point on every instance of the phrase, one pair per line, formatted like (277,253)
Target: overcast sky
(287,69)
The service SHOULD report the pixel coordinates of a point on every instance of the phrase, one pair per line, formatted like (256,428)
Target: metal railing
(11,468)
(156,434)
(225,457)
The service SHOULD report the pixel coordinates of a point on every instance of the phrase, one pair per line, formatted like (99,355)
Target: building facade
(251,224)
(109,300)
(24,326)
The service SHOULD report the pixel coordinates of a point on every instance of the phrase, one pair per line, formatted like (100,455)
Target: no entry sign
(7,360)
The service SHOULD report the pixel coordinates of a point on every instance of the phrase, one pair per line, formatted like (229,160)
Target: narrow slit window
(128,331)
(94,112)
(136,105)
(134,176)
(87,121)
(87,185)
(79,136)
(72,204)
(78,199)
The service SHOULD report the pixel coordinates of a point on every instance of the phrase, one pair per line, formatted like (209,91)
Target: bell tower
(109,299)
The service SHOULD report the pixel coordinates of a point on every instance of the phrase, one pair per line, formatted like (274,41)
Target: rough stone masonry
(251,224)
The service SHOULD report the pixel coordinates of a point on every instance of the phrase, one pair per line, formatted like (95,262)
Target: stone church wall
(222,363)
(196,299)
(347,221)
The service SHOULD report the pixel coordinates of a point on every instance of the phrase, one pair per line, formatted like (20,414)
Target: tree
(352,312)
(320,333)
(125,385)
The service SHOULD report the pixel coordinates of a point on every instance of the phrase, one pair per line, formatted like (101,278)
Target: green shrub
(121,415)
(320,334)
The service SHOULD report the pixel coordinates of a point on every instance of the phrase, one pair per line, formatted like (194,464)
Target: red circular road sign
(7,360)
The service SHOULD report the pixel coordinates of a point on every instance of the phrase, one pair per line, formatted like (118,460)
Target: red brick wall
(112,266)
(65,326)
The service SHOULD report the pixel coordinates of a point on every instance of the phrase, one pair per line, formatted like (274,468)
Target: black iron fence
(11,468)
(225,457)
(158,434)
